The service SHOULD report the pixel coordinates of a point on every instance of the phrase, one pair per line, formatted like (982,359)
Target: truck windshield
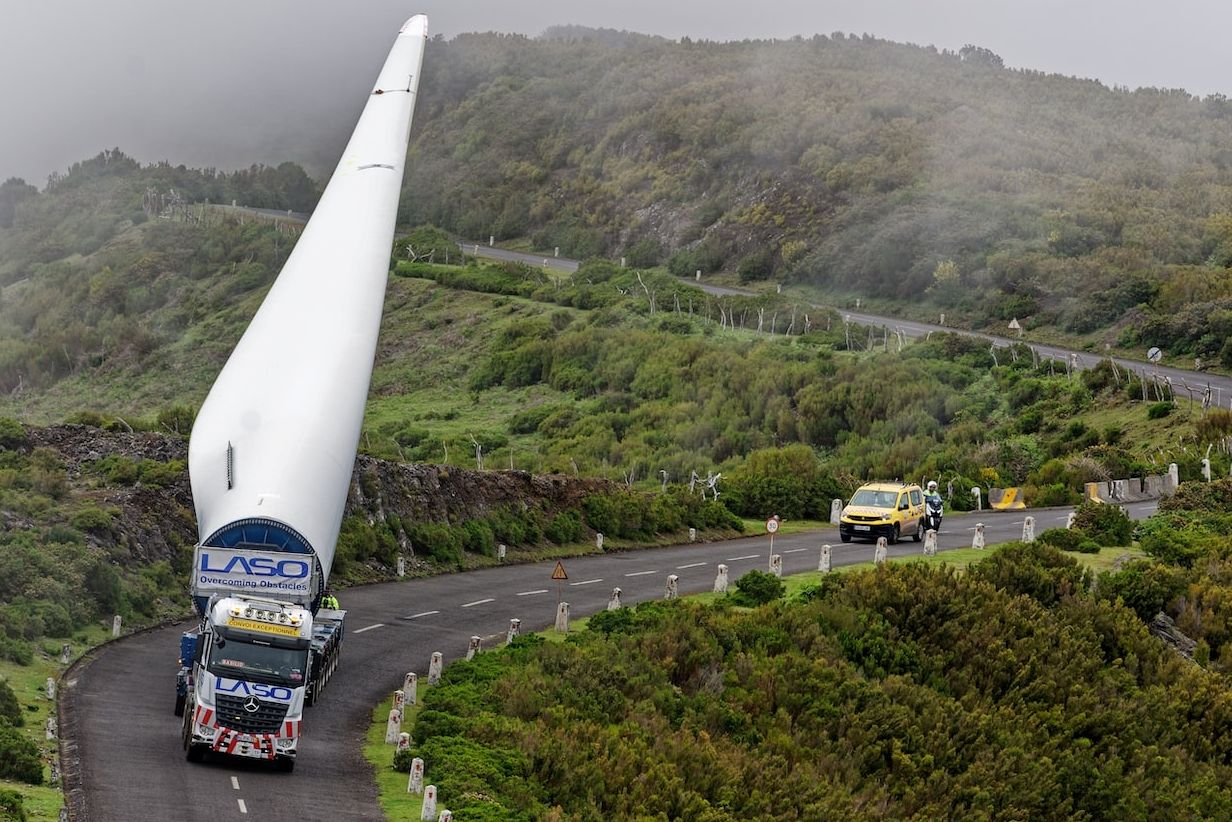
(238,659)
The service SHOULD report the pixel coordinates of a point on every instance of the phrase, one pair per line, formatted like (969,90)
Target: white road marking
(369,628)
(235,782)
(641,573)
(586,582)
(691,565)
(794,550)
(536,591)
(737,559)
(243,807)
(478,602)
(424,614)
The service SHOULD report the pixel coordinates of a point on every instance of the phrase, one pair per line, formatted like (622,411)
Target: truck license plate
(864,527)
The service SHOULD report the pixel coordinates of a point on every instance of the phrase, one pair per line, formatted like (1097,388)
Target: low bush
(19,757)
(1064,539)
(564,528)
(758,588)
(1106,524)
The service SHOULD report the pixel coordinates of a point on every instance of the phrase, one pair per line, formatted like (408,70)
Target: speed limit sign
(772,525)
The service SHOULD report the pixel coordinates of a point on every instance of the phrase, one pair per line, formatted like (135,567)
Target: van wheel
(919,531)
(845,537)
(893,540)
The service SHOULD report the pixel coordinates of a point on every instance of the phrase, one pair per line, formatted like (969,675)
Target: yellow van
(883,509)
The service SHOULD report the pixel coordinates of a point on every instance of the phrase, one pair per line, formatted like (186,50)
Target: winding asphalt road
(119,703)
(1184,383)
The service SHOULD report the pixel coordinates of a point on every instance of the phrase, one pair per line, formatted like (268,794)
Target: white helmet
(932,485)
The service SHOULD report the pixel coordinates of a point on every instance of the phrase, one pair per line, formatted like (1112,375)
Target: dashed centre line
(748,556)
(243,807)
(235,782)
(691,565)
(478,602)
(794,550)
(641,573)
(586,582)
(369,628)
(529,593)
(423,614)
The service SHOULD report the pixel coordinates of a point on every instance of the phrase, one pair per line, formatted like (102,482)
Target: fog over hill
(230,83)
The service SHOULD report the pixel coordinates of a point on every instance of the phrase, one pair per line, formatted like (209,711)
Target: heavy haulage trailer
(272,450)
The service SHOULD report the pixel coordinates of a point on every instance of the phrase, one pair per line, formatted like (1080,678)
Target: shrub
(1144,586)
(1159,410)
(12,809)
(10,709)
(12,434)
(441,543)
(1062,538)
(92,520)
(1036,570)
(1106,524)
(1173,547)
(758,588)
(19,757)
(620,621)
(477,537)
(565,527)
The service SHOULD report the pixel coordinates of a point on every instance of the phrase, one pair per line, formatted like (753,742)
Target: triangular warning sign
(559,572)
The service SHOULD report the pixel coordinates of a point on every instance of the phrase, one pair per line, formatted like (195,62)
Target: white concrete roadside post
(51,728)
(599,541)
(1069,520)
(692,535)
(979,498)
(446,816)
(393,726)
(404,741)
(562,617)
(473,648)
(720,580)
(415,783)
(410,688)
(51,688)
(429,804)
(823,564)
(776,564)
(1206,469)
(1028,529)
(115,626)
(836,511)
(977,541)
(500,551)
(515,628)
(673,587)
(930,543)
(66,653)
(399,700)
(401,566)
(880,553)
(613,602)
(435,667)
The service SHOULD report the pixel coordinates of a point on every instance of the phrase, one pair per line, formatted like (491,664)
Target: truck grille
(267,719)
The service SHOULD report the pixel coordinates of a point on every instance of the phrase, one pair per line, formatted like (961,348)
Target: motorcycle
(931,521)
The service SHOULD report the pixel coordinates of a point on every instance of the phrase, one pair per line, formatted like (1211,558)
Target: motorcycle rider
(932,507)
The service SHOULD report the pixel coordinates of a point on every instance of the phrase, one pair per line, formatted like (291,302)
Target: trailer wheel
(179,704)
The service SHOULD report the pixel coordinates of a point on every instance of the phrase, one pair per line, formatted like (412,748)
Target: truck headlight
(286,743)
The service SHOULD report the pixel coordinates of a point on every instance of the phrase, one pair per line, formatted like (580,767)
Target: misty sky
(202,83)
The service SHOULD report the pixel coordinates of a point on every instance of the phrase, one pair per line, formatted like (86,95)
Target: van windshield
(874,499)
(239,659)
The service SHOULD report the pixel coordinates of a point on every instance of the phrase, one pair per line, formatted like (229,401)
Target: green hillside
(848,164)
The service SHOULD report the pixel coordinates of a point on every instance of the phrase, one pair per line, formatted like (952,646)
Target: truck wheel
(179,704)
(285,764)
(193,753)
(893,540)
